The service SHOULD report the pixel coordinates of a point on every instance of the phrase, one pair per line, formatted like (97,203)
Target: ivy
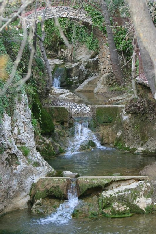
(82,34)
(122,41)
(97,17)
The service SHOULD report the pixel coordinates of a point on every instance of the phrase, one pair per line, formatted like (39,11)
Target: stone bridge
(63,9)
(67,9)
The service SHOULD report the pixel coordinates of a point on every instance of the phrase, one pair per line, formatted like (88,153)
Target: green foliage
(12,41)
(114,5)
(36,164)
(52,38)
(41,114)
(47,126)
(96,16)
(149,209)
(25,150)
(122,41)
(82,34)
(7,101)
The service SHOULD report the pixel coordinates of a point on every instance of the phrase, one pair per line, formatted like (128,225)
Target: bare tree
(26,37)
(43,51)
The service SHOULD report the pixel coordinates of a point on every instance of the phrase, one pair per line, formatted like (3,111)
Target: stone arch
(105,66)
(59,12)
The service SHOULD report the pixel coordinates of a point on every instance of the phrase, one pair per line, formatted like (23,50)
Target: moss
(150,209)
(47,151)
(90,184)
(56,192)
(61,114)
(75,213)
(47,126)
(36,164)
(40,194)
(106,115)
(43,116)
(93,215)
(25,150)
(117,215)
(119,144)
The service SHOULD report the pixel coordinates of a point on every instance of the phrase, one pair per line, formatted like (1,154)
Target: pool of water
(104,161)
(101,162)
(23,222)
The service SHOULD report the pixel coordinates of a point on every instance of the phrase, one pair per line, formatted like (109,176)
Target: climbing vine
(123,41)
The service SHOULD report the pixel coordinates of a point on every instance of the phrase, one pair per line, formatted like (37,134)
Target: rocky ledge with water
(110,196)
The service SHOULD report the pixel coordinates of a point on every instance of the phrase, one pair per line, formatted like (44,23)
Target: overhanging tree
(146,37)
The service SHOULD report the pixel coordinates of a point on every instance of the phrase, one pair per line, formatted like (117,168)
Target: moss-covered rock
(107,114)
(61,115)
(53,187)
(43,116)
(126,199)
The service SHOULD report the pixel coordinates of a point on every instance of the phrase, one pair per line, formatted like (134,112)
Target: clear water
(56,82)
(81,137)
(23,222)
(101,162)
(64,213)
(97,162)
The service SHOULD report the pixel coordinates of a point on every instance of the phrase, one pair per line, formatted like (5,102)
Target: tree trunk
(134,69)
(43,51)
(146,37)
(113,52)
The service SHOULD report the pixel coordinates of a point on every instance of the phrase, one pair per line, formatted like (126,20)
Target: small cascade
(64,213)
(82,137)
(56,82)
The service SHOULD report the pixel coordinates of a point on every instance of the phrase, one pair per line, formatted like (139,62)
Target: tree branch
(22,8)
(14,69)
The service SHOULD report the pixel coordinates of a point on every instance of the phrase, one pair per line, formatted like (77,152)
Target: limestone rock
(20,163)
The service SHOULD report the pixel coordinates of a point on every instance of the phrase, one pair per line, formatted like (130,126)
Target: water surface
(23,222)
(101,162)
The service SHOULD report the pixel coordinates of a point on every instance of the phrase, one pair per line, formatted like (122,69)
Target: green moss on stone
(25,150)
(43,116)
(85,184)
(106,115)
(61,114)
(40,194)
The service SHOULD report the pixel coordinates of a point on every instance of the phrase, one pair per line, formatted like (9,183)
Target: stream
(23,222)
(98,161)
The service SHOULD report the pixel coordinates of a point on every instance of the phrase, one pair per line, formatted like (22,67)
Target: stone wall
(126,131)
(20,163)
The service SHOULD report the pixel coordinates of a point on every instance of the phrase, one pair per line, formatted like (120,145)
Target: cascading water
(82,136)
(65,210)
(56,82)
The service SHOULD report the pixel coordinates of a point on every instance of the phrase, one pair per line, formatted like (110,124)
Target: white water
(81,137)
(56,82)
(64,213)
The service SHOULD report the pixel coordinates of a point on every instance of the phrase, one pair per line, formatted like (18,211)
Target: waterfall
(64,213)
(56,82)
(82,136)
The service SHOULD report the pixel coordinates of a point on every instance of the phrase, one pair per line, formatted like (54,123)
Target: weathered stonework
(20,163)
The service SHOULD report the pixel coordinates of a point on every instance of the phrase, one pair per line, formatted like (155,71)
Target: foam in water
(81,137)
(56,82)
(65,210)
